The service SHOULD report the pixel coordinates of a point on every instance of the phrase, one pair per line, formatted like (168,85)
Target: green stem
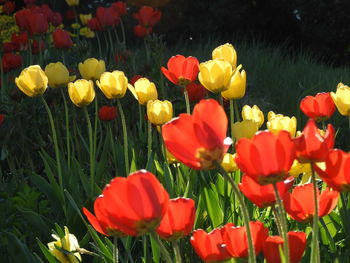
(111,45)
(277,219)
(163,250)
(99,45)
(67,128)
(125,135)
(314,248)
(243,207)
(91,150)
(149,141)
(2,82)
(232,119)
(112,142)
(95,128)
(177,251)
(236,110)
(283,223)
(115,250)
(123,33)
(221,100)
(40,52)
(63,57)
(162,143)
(30,51)
(140,118)
(188,109)
(57,152)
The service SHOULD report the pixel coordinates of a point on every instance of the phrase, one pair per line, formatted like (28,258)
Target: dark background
(319,26)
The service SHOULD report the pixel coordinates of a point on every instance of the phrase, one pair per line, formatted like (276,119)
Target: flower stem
(177,252)
(283,223)
(188,109)
(115,250)
(149,141)
(161,247)
(277,219)
(99,45)
(232,118)
(91,150)
(125,135)
(236,110)
(162,142)
(315,257)
(245,214)
(67,128)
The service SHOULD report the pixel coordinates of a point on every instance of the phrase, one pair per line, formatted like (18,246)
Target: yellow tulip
(159,112)
(226,52)
(244,129)
(113,84)
(85,18)
(68,243)
(170,158)
(278,122)
(92,68)
(144,90)
(253,113)
(81,92)
(58,75)
(72,2)
(229,163)
(341,99)
(32,81)
(86,32)
(215,75)
(237,86)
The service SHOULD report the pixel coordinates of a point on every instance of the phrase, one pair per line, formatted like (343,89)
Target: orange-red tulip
(181,70)
(147,16)
(196,92)
(120,7)
(178,220)
(61,38)
(263,195)
(94,24)
(267,157)
(132,205)
(198,140)
(337,173)
(320,108)
(209,246)
(235,239)
(141,31)
(311,146)
(297,245)
(300,203)
(107,17)
(36,23)
(107,113)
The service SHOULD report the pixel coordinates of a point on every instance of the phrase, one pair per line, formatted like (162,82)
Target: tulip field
(116,146)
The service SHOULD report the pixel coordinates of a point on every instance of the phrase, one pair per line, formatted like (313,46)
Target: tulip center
(143,227)
(207,157)
(272,178)
(345,188)
(183,82)
(114,232)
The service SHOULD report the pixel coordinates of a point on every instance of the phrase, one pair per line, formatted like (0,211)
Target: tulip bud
(81,92)
(244,129)
(58,75)
(32,81)
(226,52)
(253,113)
(228,163)
(237,86)
(67,243)
(85,18)
(113,84)
(92,68)
(278,122)
(159,112)
(72,2)
(215,75)
(341,99)
(144,90)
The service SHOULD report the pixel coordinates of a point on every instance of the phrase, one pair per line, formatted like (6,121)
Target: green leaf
(211,201)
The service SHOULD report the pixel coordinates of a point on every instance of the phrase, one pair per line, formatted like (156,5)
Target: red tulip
(8,47)
(70,14)
(107,113)
(120,7)
(198,140)
(107,17)
(9,7)
(29,2)
(300,203)
(263,195)
(141,31)
(133,205)
(36,47)
(36,23)
(61,38)
(21,18)
(147,16)
(56,19)
(134,79)
(320,108)
(337,170)
(11,61)
(181,70)
(267,157)
(297,245)
(311,146)
(209,246)
(2,118)
(235,239)
(20,40)
(196,92)
(178,220)
(94,24)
